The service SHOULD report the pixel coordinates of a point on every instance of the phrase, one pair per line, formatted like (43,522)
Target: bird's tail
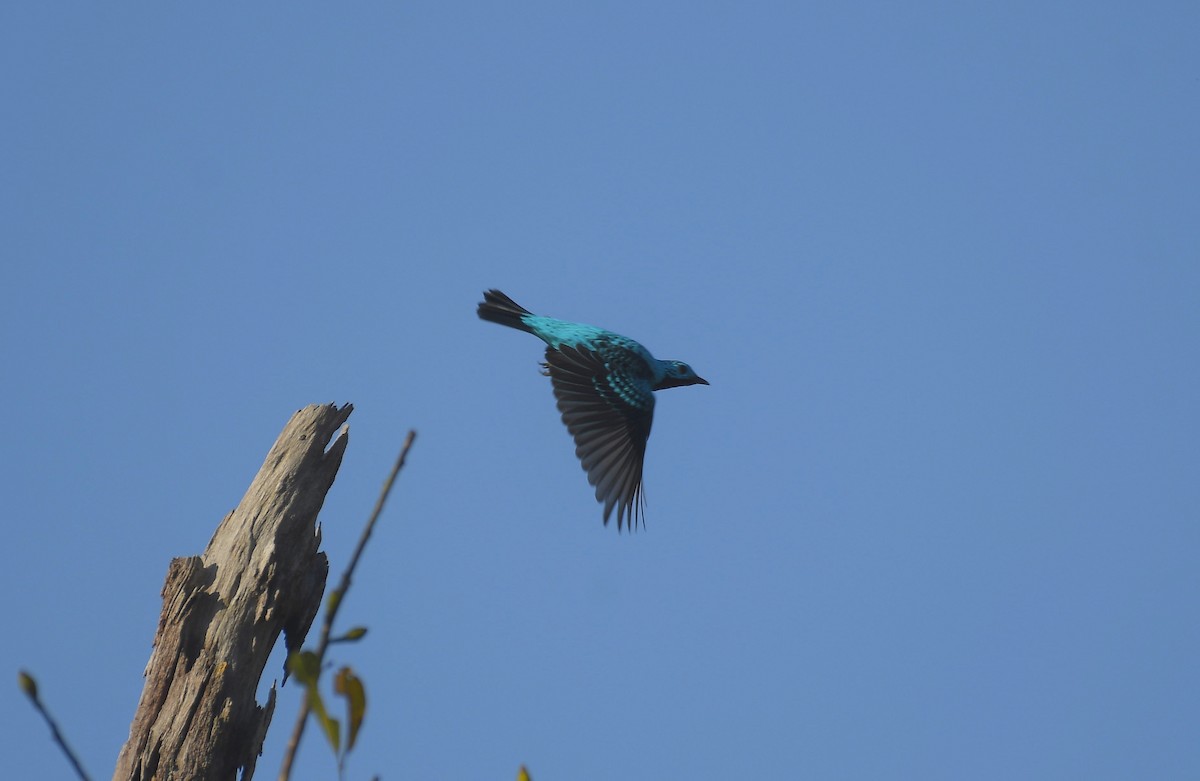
(499,308)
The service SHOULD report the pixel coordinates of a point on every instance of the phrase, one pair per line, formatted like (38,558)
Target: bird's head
(678,374)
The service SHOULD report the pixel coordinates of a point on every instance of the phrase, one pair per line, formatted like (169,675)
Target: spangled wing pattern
(606,402)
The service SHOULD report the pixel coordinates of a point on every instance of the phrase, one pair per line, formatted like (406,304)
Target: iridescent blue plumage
(603,382)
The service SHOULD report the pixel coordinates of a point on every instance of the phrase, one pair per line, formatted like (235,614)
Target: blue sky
(936,517)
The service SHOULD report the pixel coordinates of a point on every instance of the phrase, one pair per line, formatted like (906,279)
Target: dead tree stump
(223,611)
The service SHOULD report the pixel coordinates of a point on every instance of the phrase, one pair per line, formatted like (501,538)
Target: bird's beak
(700,380)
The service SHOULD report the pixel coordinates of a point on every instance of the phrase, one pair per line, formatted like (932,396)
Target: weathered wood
(223,611)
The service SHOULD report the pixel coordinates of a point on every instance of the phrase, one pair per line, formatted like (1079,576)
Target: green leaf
(357,633)
(350,686)
(329,725)
(305,666)
(333,732)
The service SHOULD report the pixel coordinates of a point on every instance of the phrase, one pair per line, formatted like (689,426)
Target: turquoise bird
(603,383)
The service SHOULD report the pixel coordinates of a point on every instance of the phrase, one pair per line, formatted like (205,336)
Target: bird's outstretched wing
(608,409)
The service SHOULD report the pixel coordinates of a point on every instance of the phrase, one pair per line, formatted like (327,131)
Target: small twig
(29,686)
(332,605)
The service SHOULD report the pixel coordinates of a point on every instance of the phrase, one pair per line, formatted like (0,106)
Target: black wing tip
(630,513)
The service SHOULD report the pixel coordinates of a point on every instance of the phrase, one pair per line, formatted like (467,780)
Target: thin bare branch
(334,603)
(29,686)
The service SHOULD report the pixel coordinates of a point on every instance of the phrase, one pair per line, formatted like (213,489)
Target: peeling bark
(223,611)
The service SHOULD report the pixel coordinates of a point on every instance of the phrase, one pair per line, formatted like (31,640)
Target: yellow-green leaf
(350,686)
(28,685)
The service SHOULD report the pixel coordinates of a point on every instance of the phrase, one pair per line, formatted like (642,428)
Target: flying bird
(603,383)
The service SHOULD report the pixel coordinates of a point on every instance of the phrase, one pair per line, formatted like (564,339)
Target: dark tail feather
(499,308)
